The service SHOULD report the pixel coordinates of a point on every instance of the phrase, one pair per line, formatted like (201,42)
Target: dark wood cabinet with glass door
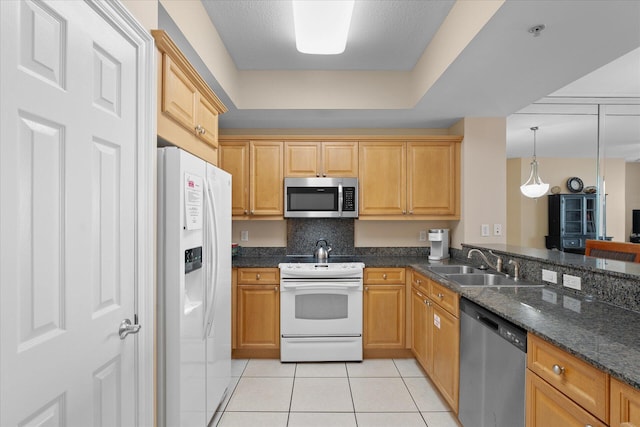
(572,220)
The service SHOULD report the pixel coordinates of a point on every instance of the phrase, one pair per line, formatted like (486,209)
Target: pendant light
(534,187)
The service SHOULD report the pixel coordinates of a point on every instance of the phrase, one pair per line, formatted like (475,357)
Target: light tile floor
(373,393)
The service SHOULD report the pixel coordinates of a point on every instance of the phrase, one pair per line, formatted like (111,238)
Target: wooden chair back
(620,251)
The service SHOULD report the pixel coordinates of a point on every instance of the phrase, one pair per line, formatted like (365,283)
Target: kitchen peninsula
(596,325)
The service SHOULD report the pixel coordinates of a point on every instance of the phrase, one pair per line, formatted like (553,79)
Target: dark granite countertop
(603,335)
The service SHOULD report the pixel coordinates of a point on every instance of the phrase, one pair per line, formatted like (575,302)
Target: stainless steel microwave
(321,197)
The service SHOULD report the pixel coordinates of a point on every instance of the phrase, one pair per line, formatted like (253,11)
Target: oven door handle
(315,286)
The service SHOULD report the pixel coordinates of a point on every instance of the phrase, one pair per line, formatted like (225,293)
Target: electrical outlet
(549,276)
(244,236)
(423,236)
(497,229)
(572,282)
(485,230)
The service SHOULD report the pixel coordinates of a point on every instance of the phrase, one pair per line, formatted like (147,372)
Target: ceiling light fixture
(322,26)
(534,187)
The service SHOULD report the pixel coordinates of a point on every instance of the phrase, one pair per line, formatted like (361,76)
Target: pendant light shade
(534,187)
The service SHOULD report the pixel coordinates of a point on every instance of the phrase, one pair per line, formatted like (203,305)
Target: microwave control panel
(349,202)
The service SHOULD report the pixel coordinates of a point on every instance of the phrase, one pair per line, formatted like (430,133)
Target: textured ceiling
(384,34)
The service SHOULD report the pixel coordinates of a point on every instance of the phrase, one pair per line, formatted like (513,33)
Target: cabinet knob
(317,175)
(384,276)
(410,212)
(366,288)
(246,211)
(203,131)
(252,211)
(324,175)
(275,289)
(404,212)
(427,302)
(257,276)
(558,370)
(419,282)
(440,296)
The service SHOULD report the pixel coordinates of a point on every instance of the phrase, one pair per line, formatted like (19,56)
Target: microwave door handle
(339,199)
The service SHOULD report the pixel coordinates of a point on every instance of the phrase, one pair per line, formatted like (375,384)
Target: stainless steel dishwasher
(492,369)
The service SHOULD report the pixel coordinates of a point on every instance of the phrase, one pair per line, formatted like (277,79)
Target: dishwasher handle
(487,322)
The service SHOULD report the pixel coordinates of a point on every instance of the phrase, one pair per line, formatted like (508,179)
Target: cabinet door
(419,323)
(433,183)
(301,159)
(266,174)
(208,121)
(258,317)
(625,404)
(383,179)
(445,337)
(384,317)
(340,159)
(547,407)
(234,158)
(179,95)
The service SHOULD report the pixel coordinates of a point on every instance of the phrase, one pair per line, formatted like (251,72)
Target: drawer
(546,407)
(445,298)
(578,380)
(258,276)
(383,276)
(420,282)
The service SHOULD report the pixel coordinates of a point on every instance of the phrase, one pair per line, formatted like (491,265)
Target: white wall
(484,180)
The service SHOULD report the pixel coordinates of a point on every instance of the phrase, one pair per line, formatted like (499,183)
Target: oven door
(321,308)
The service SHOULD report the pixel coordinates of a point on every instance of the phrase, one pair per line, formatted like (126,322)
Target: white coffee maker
(439,238)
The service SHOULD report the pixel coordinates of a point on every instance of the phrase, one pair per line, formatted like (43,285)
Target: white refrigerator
(194,289)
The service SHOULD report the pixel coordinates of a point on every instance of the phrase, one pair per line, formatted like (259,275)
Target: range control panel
(192,259)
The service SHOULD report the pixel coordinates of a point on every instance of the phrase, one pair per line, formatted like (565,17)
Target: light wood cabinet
(257,184)
(321,159)
(188,109)
(435,327)
(578,380)
(547,407)
(414,180)
(625,405)
(384,308)
(257,311)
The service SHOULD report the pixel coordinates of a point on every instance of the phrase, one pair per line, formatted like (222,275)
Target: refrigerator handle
(213,249)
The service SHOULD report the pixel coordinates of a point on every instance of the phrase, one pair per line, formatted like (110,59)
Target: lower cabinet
(625,405)
(257,313)
(547,407)
(384,308)
(563,390)
(435,331)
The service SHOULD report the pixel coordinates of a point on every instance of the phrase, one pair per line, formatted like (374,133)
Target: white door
(69,218)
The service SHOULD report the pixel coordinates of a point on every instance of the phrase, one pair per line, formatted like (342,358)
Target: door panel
(68,180)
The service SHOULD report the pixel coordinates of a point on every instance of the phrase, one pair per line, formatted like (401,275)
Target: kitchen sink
(453,269)
(496,280)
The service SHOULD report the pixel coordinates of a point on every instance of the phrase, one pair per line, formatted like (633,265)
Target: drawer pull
(275,289)
(440,296)
(384,276)
(558,370)
(258,276)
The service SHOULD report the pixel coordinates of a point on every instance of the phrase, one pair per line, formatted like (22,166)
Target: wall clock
(574,184)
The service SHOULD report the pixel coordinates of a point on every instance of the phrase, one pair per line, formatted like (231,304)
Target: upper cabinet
(411,180)
(258,184)
(321,159)
(187,108)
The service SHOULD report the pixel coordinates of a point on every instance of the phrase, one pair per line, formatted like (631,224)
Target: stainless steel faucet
(516,269)
(497,266)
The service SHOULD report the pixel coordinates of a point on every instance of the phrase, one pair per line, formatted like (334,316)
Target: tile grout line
(410,394)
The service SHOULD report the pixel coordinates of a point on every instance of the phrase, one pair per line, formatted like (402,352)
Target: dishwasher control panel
(514,337)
